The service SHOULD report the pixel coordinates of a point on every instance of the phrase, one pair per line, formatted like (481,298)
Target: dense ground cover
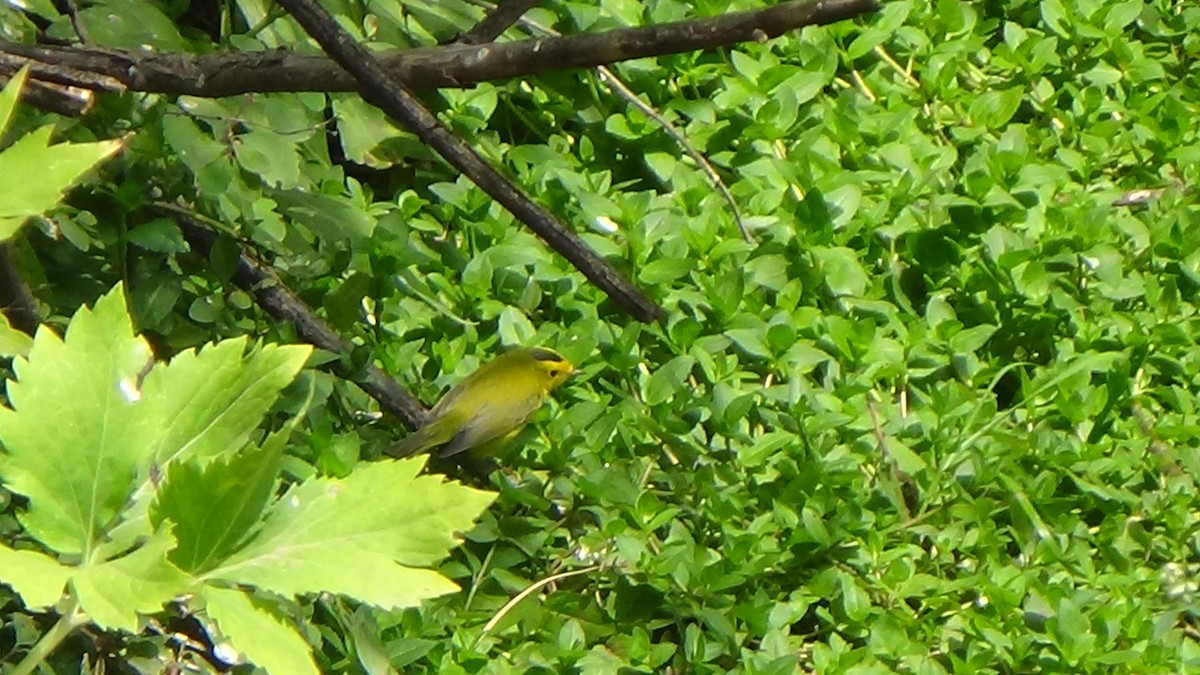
(940,416)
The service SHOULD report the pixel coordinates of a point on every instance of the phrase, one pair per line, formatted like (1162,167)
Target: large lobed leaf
(363,536)
(210,400)
(82,436)
(113,593)
(111,428)
(37,577)
(57,167)
(75,437)
(258,633)
(215,508)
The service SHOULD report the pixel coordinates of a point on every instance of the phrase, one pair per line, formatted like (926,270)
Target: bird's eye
(553,373)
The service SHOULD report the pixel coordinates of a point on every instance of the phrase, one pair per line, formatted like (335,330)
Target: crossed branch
(63,79)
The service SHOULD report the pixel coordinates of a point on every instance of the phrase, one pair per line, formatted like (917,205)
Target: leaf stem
(69,621)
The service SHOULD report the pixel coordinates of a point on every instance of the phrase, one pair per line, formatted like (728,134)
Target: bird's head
(552,368)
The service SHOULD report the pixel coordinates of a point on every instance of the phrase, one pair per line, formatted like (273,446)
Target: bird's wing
(492,421)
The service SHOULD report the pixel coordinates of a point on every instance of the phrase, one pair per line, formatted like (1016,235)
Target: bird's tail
(418,441)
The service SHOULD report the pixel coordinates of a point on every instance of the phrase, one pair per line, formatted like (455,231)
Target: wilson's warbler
(487,409)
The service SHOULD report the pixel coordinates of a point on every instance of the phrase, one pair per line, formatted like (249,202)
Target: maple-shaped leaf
(76,439)
(216,507)
(115,592)
(58,166)
(364,536)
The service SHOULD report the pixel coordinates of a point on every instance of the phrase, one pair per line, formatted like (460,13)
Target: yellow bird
(487,409)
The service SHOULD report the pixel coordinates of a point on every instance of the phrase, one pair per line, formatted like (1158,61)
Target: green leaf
(666,380)
(365,131)
(333,219)
(189,144)
(665,270)
(162,235)
(271,155)
(208,401)
(131,24)
(8,97)
(80,477)
(906,460)
(266,639)
(154,301)
(514,327)
(368,647)
(972,339)
(750,340)
(768,271)
(844,202)
(662,165)
(57,167)
(855,601)
(842,272)
(115,592)
(37,577)
(1055,15)
(344,306)
(765,446)
(993,109)
(359,536)
(217,507)
(43,8)
(13,342)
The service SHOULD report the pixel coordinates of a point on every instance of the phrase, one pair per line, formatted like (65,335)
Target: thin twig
(618,87)
(503,611)
(781,153)
(621,89)
(477,577)
(911,80)
(497,20)
(897,476)
(863,87)
(899,69)
(76,24)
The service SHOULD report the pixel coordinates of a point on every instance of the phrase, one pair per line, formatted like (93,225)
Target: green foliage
(58,166)
(146,484)
(938,418)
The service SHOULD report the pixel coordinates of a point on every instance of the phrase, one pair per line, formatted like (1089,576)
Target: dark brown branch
(16,301)
(457,65)
(51,97)
(403,106)
(497,20)
(281,303)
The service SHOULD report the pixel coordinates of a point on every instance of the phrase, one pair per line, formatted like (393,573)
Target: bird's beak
(576,373)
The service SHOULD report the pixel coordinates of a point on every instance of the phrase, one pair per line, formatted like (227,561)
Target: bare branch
(402,105)
(56,98)
(457,65)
